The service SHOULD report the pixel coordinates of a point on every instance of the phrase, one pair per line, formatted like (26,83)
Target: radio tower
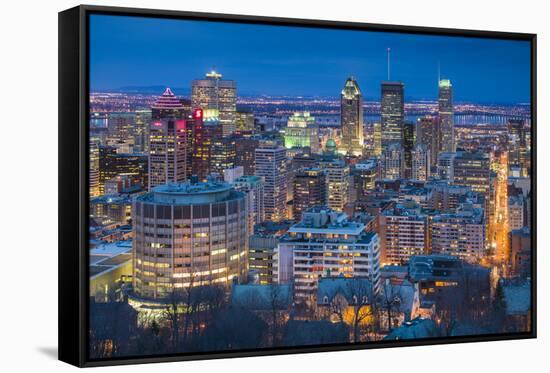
(389,52)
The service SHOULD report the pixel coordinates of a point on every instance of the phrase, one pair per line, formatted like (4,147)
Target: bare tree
(390,300)
(275,304)
(174,304)
(233,328)
(361,306)
(111,325)
(354,305)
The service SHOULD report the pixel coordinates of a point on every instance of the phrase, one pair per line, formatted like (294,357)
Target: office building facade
(218,98)
(392,113)
(446,116)
(167,141)
(271,165)
(310,189)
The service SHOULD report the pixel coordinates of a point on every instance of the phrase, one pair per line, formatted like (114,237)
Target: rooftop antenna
(438,71)
(389,52)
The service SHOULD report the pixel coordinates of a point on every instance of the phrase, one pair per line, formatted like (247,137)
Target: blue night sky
(275,60)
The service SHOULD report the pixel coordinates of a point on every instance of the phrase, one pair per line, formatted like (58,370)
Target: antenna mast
(389,52)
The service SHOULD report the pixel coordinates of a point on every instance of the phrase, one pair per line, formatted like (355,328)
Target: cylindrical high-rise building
(188,234)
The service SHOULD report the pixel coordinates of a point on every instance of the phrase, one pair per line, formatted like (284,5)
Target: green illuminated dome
(330,146)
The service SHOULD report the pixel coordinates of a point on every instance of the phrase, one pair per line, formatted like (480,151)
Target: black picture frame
(73,181)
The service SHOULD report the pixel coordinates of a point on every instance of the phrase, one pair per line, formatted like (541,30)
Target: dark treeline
(202,319)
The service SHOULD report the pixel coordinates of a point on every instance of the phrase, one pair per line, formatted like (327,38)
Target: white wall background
(28,164)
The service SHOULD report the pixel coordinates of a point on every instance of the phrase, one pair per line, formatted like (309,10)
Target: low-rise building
(110,268)
(116,208)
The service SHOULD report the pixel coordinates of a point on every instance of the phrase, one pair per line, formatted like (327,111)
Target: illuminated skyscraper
(351,118)
(167,141)
(427,134)
(392,162)
(460,234)
(364,177)
(310,189)
(204,134)
(405,233)
(377,139)
(409,140)
(253,186)
(271,165)
(338,182)
(445,166)
(420,160)
(94,168)
(193,129)
(244,121)
(446,116)
(120,131)
(302,132)
(112,163)
(392,113)
(447,197)
(142,123)
(188,234)
(167,106)
(518,146)
(218,99)
(222,154)
(246,148)
(472,170)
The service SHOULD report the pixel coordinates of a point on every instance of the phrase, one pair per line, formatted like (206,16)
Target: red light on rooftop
(157,124)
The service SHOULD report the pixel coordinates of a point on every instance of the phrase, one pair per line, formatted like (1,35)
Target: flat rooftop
(190,193)
(111,249)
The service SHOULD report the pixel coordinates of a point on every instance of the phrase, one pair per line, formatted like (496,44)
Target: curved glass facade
(178,244)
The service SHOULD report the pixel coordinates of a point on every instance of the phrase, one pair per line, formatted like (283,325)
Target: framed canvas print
(240,186)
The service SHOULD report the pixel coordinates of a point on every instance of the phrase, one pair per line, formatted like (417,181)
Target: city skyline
(275,60)
(216,226)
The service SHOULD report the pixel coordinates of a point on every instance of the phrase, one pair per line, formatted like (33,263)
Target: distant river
(334,120)
(461,119)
